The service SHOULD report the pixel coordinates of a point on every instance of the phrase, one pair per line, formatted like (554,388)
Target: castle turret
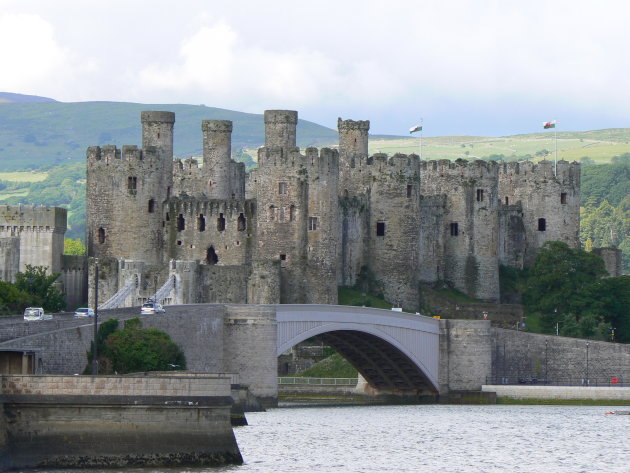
(157,131)
(280,128)
(353,137)
(217,152)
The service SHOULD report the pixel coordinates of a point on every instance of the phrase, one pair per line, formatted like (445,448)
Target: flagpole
(421,129)
(555,164)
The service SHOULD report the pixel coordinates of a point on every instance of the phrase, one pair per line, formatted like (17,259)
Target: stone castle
(303,223)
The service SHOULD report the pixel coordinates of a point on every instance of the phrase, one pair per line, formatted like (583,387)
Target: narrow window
(201,223)
(101,235)
(281,214)
(271,213)
(211,256)
(151,207)
(282,188)
(221,223)
(168,217)
(409,190)
(542,224)
(168,192)
(312,223)
(132,183)
(380,228)
(292,213)
(241,223)
(563,198)
(479,195)
(181,223)
(507,201)
(283,260)
(454,229)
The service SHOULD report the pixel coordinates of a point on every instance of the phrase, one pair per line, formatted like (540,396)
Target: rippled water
(549,439)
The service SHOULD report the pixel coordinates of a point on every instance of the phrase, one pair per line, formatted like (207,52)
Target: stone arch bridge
(394,351)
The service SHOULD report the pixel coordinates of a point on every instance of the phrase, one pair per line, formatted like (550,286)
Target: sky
(462,67)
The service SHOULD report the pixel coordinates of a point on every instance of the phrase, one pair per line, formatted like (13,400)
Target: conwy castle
(302,224)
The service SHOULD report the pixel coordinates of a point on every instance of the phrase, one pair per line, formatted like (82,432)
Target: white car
(35,313)
(151,308)
(84,312)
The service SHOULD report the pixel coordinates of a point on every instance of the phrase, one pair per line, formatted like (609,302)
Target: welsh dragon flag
(413,129)
(547,125)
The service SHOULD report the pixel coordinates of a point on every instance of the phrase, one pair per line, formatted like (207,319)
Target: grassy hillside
(599,146)
(36,135)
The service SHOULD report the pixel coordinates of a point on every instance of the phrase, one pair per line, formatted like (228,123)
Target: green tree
(41,286)
(611,299)
(73,246)
(135,349)
(559,283)
(14,300)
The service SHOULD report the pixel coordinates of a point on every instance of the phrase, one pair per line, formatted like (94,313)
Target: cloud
(221,66)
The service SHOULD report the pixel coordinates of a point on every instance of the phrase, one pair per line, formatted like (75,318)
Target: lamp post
(95,348)
(587,363)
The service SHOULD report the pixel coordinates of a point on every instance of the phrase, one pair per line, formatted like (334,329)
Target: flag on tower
(547,125)
(413,129)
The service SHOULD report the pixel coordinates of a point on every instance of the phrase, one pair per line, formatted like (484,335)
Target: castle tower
(353,137)
(157,131)
(280,128)
(127,192)
(550,201)
(217,156)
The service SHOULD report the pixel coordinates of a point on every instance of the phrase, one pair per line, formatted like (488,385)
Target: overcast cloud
(465,67)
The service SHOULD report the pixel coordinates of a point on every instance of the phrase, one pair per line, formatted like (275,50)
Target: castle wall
(74,279)
(214,232)
(511,236)
(9,258)
(431,242)
(612,260)
(41,233)
(470,223)
(550,203)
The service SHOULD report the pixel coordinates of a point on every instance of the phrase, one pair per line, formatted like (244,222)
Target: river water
(431,438)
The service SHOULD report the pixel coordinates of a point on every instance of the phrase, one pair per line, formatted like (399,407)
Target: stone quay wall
(71,422)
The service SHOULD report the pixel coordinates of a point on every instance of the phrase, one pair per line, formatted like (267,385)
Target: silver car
(151,308)
(84,312)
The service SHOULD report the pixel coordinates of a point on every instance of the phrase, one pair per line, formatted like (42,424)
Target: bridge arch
(393,351)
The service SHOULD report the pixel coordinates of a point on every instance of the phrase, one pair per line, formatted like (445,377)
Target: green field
(23,176)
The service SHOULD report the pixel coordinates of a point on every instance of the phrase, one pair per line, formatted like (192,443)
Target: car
(35,313)
(84,312)
(151,308)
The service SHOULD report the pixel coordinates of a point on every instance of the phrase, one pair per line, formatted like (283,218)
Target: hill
(36,135)
(8,97)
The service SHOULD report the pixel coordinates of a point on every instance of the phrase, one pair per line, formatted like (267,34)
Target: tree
(560,282)
(14,300)
(135,349)
(611,298)
(73,246)
(40,285)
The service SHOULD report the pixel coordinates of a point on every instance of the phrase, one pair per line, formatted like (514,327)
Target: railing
(118,298)
(318,381)
(613,381)
(165,290)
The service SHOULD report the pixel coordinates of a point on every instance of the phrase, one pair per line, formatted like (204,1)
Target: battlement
(209,207)
(566,171)
(186,164)
(281,116)
(312,158)
(347,125)
(27,216)
(460,168)
(157,117)
(217,126)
